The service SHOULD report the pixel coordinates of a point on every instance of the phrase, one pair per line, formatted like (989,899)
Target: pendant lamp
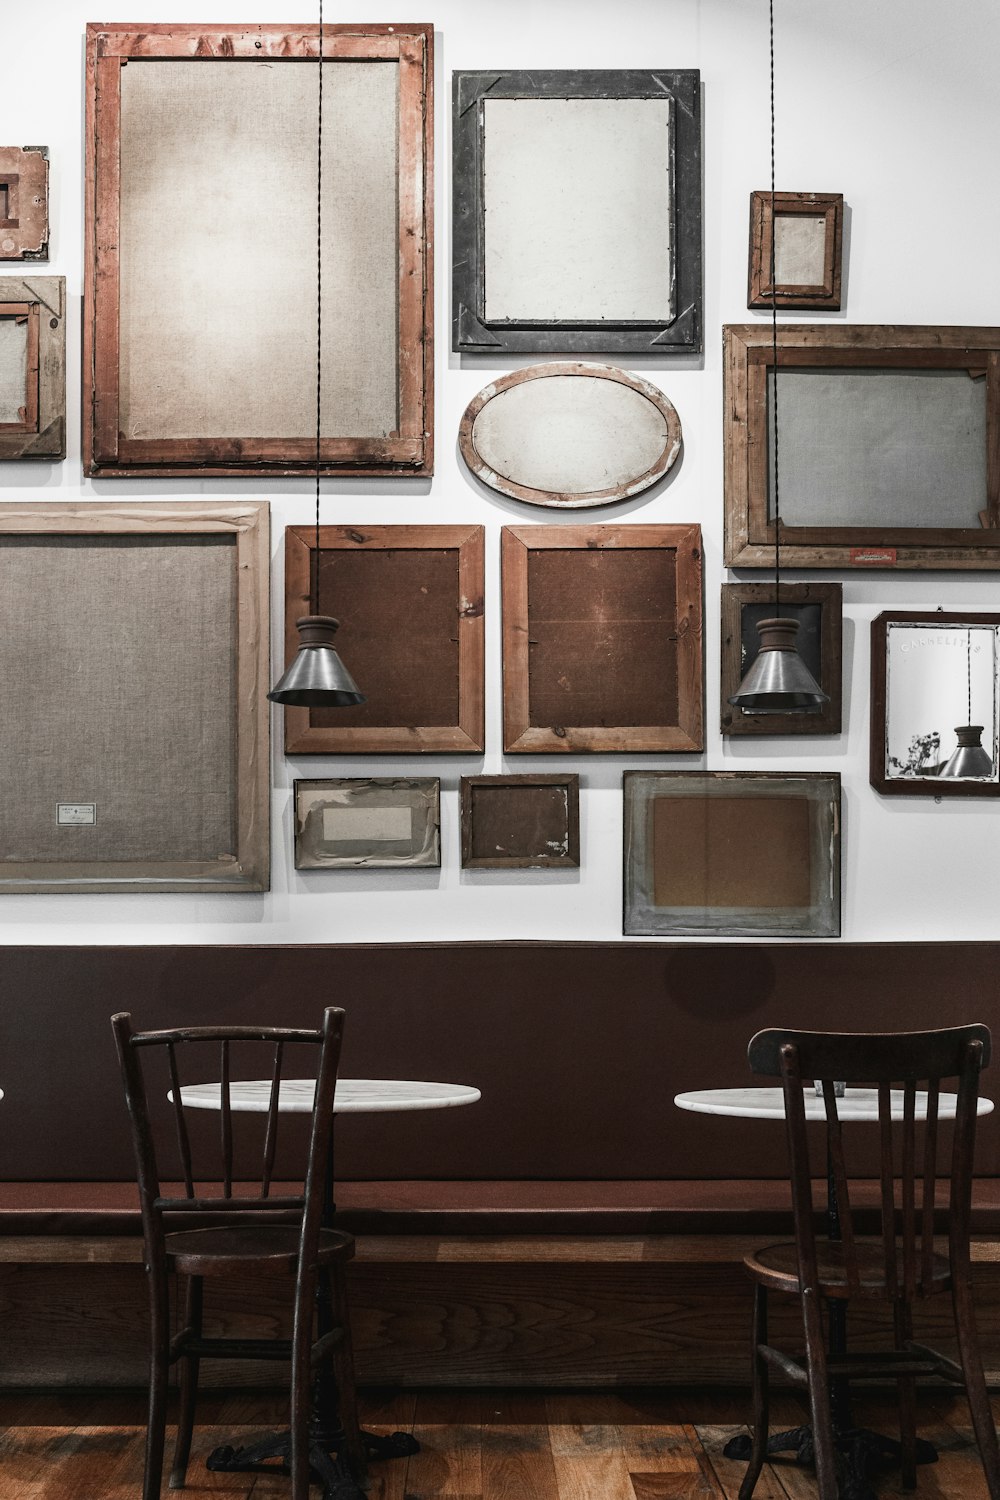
(970,761)
(778,682)
(317,678)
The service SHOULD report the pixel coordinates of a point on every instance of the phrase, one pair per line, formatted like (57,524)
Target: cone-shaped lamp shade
(779,682)
(970,759)
(317,678)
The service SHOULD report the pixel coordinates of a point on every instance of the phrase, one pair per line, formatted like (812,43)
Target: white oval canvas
(570,435)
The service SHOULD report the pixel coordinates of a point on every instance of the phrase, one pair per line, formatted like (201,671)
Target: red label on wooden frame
(873,557)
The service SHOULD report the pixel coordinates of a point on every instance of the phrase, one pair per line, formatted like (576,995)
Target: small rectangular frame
(823,290)
(367,823)
(520,822)
(666,330)
(732,853)
(602,624)
(952,687)
(35,427)
(24,203)
(378,417)
(135,746)
(905,353)
(819,609)
(410,600)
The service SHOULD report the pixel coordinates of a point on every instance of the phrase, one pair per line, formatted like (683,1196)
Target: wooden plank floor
(475,1445)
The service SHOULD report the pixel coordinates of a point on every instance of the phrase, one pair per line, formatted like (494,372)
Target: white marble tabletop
(353,1096)
(769,1104)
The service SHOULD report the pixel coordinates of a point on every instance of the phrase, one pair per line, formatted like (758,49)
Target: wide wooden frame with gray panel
(637,284)
(24,203)
(189,372)
(889,446)
(32,367)
(819,608)
(135,745)
(812,276)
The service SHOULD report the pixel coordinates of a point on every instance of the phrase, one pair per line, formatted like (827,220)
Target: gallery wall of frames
(567,338)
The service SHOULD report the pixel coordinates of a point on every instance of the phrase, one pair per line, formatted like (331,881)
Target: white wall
(894,104)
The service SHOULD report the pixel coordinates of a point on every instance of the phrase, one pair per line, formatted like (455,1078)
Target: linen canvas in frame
(732,853)
(201,315)
(371,823)
(134,745)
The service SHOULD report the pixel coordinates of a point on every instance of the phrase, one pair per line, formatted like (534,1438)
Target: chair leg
(975,1384)
(347,1399)
(188,1385)
(903,1323)
(301,1386)
(761,1392)
(819,1397)
(159,1366)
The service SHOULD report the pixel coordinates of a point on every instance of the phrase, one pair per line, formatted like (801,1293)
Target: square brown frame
(40,302)
(521,735)
(247,869)
(747,360)
(829,597)
(466,734)
(823,294)
(407,452)
(24,227)
(541,858)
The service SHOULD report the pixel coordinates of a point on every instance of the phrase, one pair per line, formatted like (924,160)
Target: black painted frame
(471,334)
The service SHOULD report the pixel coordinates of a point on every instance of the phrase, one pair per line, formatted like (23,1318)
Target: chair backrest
(207,1160)
(878,1061)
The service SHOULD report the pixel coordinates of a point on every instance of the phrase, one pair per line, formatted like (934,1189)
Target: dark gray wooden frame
(830,598)
(541,860)
(470,332)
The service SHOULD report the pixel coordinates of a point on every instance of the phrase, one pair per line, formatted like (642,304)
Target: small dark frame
(819,609)
(602,638)
(821,293)
(400,848)
(24,203)
(471,331)
(38,303)
(410,600)
(859,352)
(932,784)
(520,822)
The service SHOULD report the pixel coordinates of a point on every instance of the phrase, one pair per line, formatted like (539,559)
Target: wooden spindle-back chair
(239,1224)
(902,1262)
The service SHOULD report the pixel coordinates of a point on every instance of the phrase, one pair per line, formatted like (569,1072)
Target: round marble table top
(769,1104)
(354,1095)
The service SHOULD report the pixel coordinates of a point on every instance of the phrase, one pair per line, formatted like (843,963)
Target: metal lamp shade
(779,682)
(317,678)
(970,760)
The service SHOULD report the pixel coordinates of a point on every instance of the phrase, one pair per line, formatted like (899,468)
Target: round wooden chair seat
(776,1267)
(268,1247)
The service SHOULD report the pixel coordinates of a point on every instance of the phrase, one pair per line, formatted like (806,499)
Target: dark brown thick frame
(747,358)
(735,598)
(519,734)
(40,302)
(916,786)
(540,859)
(109,452)
(824,294)
(467,735)
(24,228)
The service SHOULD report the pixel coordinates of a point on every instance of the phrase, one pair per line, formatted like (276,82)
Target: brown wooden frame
(24,233)
(540,859)
(248,522)
(735,598)
(109,452)
(424,793)
(467,735)
(824,294)
(747,358)
(520,735)
(40,302)
(915,786)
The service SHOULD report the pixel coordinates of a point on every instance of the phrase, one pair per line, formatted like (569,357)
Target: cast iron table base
(862,1452)
(333,1473)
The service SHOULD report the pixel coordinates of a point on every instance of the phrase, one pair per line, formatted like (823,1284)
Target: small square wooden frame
(541,827)
(795,598)
(821,294)
(24,203)
(683,641)
(421,797)
(367,642)
(40,303)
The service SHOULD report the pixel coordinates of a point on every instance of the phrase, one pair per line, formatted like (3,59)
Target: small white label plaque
(76,814)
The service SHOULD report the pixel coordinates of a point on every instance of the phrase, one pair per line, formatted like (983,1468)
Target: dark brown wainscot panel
(520,822)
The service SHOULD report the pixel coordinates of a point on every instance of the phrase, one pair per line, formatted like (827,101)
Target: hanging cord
(774,347)
(319,300)
(968,662)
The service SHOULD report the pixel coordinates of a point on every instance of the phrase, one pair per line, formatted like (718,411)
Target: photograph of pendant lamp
(778,680)
(317,678)
(970,759)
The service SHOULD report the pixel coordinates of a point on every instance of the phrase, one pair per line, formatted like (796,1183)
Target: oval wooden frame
(554,498)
